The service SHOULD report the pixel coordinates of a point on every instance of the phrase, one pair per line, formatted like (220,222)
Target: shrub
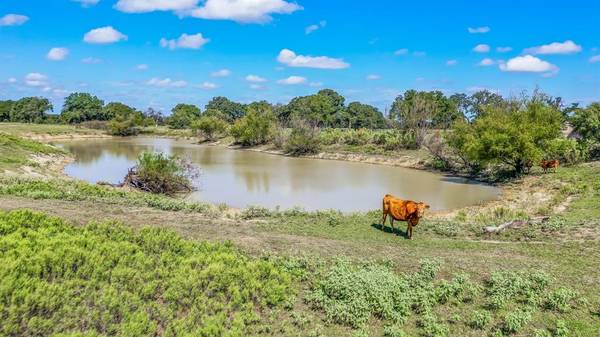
(210,127)
(561,299)
(304,139)
(515,321)
(159,173)
(504,287)
(508,137)
(256,128)
(561,329)
(253,212)
(565,150)
(393,331)
(122,127)
(331,136)
(357,137)
(107,279)
(480,320)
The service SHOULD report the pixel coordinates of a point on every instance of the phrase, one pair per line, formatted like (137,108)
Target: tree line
(470,133)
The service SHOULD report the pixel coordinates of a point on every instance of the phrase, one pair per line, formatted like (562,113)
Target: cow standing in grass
(403,210)
(549,164)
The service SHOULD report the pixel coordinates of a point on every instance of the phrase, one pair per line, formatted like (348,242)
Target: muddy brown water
(242,178)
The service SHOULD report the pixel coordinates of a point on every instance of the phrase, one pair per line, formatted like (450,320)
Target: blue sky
(135,51)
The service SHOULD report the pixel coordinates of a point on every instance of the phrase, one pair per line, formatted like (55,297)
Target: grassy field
(294,273)
(38,131)
(16,152)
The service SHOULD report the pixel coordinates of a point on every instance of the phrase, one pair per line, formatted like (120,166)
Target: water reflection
(242,178)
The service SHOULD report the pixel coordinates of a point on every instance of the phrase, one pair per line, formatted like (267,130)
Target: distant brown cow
(549,164)
(403,210)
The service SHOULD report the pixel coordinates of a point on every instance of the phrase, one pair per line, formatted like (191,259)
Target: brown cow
(403,210)
(549,164)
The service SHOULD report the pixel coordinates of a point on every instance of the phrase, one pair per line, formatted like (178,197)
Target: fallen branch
(515,224)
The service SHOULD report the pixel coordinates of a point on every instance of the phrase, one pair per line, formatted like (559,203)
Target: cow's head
(420,209)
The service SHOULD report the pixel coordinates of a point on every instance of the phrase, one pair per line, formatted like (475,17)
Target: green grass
(16,151)
(106,280)
(27,129)
(64,189)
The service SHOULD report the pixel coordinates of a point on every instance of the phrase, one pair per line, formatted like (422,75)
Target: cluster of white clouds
(91,60)
(13,20)
(293,80)
(315,27)
(242,11)
(221,73)
(567,47)
(40,81)
(255,79)
(291,59)
(482,48)
(104,35)
(479,30)
(57,54)
(185,41)
(166,82)
(405,51)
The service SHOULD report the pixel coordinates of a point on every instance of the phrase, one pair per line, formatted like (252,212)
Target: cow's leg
(409,229)
(383,220)
(392,222)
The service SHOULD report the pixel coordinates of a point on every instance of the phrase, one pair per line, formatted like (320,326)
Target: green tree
(358,115)
(30,110)
(586,123)
(324,109)
(209,126)
(508,136)
(5,108)
(232,110)
(417,110)
(125,120)
(182,116)
(80,107)
(481,100)
(257,127)
(304,139)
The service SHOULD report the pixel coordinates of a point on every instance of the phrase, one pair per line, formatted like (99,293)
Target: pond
(242,178)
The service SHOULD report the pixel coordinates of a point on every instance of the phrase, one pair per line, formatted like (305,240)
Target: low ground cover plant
(104,279)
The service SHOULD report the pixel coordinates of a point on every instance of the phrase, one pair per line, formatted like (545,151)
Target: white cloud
(293,80)
(315,27)
(402,51)
(12,80)
(486,62)
(255,79)
(503,49)
(36,80)
(451,62)
(208,86)
(166,82)
(529,63)
(479,30)
(373,77)
(144,6)
(57,54)
(221,73)
(315,84)
(290,59)
(104,35)
(257,86)
(419,53)
(87,3)
(242,11)
(481,48)
(195,41)
(567,47)
(595,58)
(13,20)
(142,67)
(60,92)
(91,60)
